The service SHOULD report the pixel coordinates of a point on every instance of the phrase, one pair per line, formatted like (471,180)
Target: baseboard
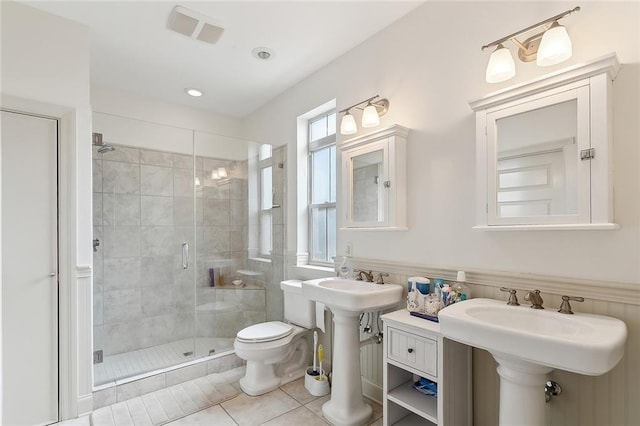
(85,405)
(371,390)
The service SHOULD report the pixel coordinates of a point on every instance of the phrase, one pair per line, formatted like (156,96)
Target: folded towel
(320,316)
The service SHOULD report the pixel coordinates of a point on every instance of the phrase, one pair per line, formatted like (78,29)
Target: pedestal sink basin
(529,343)
(351,295)
(347,299)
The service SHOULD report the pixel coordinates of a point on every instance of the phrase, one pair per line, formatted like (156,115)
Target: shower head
(106,148)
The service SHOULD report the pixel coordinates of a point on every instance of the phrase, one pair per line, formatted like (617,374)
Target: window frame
(264,163)
(325,142)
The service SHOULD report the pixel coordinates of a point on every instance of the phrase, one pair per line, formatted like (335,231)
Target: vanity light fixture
(549,47)
(219,173)
(370,114)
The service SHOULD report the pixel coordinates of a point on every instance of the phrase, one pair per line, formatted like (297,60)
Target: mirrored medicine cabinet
(544,151)
(374,180)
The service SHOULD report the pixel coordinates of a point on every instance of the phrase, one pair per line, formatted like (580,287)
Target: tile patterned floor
(128,364)
(216,400)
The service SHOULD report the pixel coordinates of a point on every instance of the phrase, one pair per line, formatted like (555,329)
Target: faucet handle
(380,279)
(513,299)
(565,307)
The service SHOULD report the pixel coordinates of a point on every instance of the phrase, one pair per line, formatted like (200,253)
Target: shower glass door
(144,245)
(189,247)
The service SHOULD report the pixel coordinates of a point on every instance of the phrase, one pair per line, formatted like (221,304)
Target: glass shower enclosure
(183,255)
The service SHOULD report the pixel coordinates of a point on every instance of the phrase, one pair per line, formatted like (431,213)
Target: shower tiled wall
(143,213)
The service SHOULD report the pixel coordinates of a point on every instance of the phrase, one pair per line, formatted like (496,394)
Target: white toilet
(277,352)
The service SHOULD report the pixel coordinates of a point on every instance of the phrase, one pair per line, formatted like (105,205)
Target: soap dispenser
(461,289)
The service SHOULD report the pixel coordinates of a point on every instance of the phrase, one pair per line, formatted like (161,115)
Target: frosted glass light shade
(370,117)
(501,66)
(555,46)
(222,172)
(348,124)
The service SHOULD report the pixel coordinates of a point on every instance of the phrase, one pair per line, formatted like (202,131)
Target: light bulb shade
(370,117)
(501,66)
(555,46)
(214,174)
(222,172)
(348,124)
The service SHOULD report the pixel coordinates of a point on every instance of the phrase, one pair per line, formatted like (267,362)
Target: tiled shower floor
(128,364)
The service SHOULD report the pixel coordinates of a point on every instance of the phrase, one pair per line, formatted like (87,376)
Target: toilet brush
(314,372)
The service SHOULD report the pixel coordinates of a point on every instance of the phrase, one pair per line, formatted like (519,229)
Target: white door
(29,270)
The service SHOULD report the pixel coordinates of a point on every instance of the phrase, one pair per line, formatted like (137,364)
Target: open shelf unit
(415,348)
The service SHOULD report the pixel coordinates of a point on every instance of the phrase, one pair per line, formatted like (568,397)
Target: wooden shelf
(407,397)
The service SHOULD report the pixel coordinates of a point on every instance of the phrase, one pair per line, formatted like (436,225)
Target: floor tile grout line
(225,399)
(228,414)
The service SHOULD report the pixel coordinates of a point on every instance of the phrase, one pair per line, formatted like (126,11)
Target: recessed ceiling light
(193,92)
(263,53)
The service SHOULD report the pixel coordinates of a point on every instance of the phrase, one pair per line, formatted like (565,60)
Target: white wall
(429,65)
(45,70)
(126,119)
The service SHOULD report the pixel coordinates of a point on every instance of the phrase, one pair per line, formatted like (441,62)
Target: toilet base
(260,378)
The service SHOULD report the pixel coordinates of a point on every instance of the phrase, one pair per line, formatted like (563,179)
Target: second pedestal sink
(529,343)
(347,299)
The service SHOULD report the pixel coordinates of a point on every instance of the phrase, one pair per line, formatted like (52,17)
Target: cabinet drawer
(414,351)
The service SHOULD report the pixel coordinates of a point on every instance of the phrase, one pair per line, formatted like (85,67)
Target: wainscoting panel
(612,399)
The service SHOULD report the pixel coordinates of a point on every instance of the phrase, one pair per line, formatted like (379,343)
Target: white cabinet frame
(392,203)
(592,83)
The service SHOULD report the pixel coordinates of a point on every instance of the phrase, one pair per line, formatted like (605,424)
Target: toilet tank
(297,309)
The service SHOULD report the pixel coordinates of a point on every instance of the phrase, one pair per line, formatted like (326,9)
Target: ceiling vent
(194,25)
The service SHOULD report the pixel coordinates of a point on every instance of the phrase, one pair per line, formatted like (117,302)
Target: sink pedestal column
(522,400)
(346,406)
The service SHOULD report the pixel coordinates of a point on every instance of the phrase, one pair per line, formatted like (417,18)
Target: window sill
(260,259)
(311,272)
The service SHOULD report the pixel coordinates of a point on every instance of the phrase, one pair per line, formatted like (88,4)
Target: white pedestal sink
(347,299)
(530,343)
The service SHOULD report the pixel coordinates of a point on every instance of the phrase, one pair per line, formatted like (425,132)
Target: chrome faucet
(535,299)
(364,275)
(381,276)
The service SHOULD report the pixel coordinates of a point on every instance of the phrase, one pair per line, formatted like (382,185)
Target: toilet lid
(265,332)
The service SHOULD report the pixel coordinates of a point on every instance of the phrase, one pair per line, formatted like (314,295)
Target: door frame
(75,368)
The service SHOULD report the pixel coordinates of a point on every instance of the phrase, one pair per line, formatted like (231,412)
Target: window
(322,188)
(266,198)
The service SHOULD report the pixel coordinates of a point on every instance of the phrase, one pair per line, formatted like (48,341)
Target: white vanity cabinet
(414,348)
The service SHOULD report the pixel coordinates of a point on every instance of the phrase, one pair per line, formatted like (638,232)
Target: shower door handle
(185,255)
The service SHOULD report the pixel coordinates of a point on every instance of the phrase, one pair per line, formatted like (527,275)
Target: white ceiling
(132,50)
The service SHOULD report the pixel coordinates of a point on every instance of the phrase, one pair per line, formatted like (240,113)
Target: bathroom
(429,64)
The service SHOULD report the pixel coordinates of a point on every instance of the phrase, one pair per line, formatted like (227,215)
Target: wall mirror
(543,151)
(374,180)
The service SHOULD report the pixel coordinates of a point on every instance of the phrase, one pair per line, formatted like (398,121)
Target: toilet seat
(264,332)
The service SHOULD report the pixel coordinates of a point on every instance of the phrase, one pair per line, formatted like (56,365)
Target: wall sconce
(549,47)
(370,115)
